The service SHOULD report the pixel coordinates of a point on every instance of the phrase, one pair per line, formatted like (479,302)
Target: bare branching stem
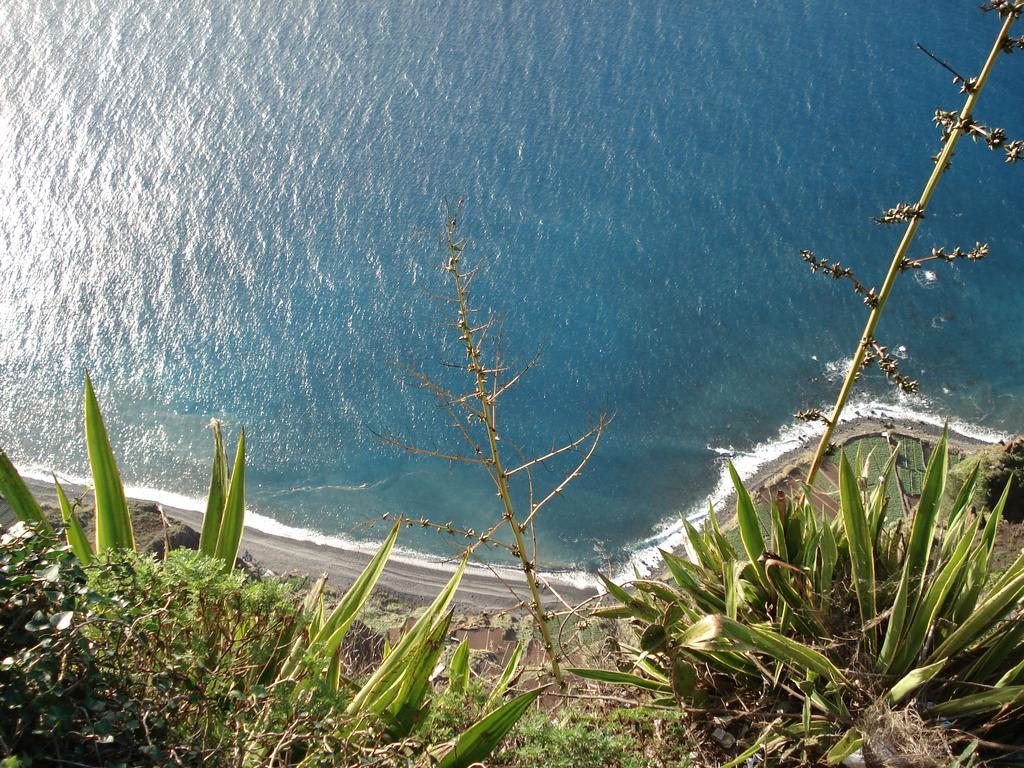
(474,415)
(535,508)
(551,454)
(489,419)
(896,267)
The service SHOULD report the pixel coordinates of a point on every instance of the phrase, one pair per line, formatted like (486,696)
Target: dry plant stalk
(953,126)
(474,415)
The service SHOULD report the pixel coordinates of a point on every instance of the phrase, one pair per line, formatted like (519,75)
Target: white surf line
(646,558)
(270,526)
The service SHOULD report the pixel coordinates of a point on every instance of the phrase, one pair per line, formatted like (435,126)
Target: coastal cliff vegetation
(874,616)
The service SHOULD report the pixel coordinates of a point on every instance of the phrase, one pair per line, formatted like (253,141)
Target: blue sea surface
(232,210)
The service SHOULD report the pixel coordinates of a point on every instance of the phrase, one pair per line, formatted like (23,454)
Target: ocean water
(233,210)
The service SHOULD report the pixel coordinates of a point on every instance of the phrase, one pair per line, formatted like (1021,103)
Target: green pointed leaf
(894,628)
(388,674)
(778,532)
(956,512)
(458,670)
(999,647)
(217,496)
(828,550)
(978,703)
(639,608)
(858,535)
(914,680)
(781,648)
(966,758)
(726,551)
(301,629)
(980,622)
(621,678)
(1015,569)
(336,626)
(992,526)
(481,739)
(77,539)
(922,532)
(846,746)
(334,671)
(765,743)
(969,585)
(750,526)
(18,496)
(704,553)
(733,595)
(233,519)
(931,603)
(508,674)
(1011,675)
(406,704)
(113,522)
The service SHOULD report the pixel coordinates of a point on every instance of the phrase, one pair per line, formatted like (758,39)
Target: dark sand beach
(417,581)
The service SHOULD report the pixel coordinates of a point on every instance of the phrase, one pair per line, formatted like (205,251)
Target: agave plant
(225,507)
(396,696)
(225,503)
(827,617)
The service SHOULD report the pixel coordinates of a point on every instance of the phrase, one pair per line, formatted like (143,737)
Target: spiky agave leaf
(325,636)
(113,522)
(18,496)
(217,496)
(334,627)
(481,739)
(913,680)
(828,557)
(922,532)
(1006,699)
(861,546)
(508,673)
(233,519)
(621,678)
(458,669)
(765,640)
(76,537)
(388,675)
(916,556)
(849,743)
(991,609)
(750,526)
(954,522)
(404,704)
(923,622)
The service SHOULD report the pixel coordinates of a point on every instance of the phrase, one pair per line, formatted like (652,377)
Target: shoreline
(862,426)
(416,578)
(771,461)
(413,579)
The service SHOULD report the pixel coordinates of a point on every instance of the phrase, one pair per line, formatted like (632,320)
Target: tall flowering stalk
(954,126)
(474,416)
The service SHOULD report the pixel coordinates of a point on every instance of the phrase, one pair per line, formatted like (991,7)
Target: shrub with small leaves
(56,699)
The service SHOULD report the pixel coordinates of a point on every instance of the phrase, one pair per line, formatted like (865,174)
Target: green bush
(59,696)
(572,736)
(135,661)
(575,737)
